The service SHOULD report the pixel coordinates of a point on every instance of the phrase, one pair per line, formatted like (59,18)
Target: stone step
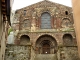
(46,57)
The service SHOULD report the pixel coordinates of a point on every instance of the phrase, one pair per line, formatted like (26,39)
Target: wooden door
(46,49)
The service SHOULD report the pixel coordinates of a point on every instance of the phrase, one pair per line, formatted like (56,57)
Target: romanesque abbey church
(43,31)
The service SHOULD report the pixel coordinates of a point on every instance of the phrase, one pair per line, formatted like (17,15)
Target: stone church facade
(43,31)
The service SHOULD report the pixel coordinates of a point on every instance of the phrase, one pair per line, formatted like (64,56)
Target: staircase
(46,57)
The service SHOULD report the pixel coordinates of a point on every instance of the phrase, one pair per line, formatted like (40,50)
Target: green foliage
(10,30)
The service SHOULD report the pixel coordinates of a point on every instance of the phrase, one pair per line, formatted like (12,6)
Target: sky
(18,4)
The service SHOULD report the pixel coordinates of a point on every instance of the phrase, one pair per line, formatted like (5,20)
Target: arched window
(24,12)
(45,21)
(66,12)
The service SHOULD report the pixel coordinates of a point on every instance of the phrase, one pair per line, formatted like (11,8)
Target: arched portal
(24,39)
(46,44)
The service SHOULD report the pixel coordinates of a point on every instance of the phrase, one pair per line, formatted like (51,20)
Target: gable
(44,3)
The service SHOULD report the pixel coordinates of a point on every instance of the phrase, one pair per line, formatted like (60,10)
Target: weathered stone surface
(69,53)
(14,52)
(45,35)
(46,57)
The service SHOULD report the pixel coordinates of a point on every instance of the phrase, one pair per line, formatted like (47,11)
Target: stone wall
(27,22)
(14,52)
(60,16)
(35,35)
(64,53)
(69,53)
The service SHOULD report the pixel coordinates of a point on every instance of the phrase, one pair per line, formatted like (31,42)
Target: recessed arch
(45,20)
(24,39)
(26,23)
(67,39)
(66,23)
(46,44)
